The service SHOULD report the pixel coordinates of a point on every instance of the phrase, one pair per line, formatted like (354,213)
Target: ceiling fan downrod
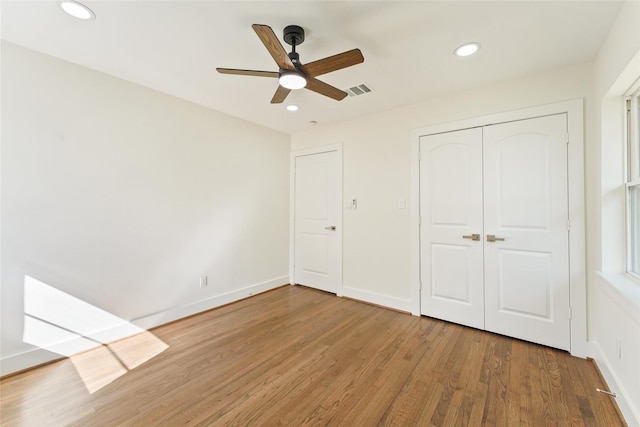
(293,35)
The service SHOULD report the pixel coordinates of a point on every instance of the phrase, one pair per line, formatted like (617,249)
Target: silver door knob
(471,236)
(330,227)
(492,238)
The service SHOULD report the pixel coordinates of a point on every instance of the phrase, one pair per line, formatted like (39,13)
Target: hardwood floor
(297,356)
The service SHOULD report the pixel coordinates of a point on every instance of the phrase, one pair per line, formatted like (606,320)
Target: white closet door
(451,213)
(525,208)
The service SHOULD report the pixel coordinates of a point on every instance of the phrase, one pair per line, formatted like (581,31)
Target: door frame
(292,205)
(575,174)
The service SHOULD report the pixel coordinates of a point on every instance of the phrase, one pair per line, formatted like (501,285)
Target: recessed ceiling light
(77,10)
(467,49)
(292,107)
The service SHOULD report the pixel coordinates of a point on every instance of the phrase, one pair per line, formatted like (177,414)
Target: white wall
(615,297)
(377,172)
(123,197)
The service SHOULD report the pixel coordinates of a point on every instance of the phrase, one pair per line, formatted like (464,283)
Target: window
(633,180)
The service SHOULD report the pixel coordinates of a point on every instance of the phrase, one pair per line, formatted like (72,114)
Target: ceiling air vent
(358,90)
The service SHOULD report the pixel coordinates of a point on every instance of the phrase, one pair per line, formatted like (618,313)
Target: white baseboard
(39,356)
(176,313)
(26,360)
(378,299)
(629,411)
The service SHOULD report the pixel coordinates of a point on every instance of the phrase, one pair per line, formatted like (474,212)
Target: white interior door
(451,231)
(526,204)
(317,220)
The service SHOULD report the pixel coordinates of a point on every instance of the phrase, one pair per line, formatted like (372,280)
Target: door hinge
(568,225)
(566,137)
(419,219)
(570,313)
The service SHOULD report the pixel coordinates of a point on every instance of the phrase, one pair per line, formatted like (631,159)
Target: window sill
(624,290)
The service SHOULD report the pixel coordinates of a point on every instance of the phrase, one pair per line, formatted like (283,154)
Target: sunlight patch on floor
(101,346)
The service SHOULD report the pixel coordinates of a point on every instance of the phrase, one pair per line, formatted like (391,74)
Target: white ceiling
(175,47)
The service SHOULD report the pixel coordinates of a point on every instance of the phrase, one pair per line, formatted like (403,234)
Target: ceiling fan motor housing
(295,58)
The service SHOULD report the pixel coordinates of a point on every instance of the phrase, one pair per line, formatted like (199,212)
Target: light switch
(351,205)
(401,204)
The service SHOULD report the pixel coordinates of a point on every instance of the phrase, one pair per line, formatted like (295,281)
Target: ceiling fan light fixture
(467,49)
(77,10)
(292,79)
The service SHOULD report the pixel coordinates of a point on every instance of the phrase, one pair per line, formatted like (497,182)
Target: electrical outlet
(203,281)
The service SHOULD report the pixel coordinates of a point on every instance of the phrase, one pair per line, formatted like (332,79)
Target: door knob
(471,236)
(492,238)
(330,227)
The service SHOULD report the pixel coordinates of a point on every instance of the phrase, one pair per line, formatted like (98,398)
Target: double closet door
(494,229)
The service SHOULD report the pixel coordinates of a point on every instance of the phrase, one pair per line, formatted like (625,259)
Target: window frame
(632,178)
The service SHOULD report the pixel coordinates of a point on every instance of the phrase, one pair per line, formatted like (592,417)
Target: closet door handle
(331,227)
(492,238)
(475,237)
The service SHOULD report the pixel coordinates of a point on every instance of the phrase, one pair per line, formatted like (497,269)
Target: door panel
(314,253)
(317,209)
(450,272)
(522,193)
(531,270)
(525,203)
(450,208)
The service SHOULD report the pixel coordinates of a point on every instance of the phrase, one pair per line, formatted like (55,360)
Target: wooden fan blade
(248,72)
(280,95)
(325,89)
(333,63)
(270,41)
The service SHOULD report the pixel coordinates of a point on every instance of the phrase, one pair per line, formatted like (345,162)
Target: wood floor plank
(297,356)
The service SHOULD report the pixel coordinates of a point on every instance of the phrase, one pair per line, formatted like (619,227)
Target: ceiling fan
(292,73)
